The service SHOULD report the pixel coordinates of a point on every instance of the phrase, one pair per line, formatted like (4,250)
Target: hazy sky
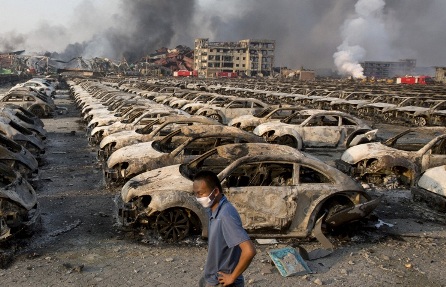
(307,32)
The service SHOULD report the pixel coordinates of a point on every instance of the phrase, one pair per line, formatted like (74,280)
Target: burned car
(18,158)
(157,128)
(24,120)
(431,188)
(18,203)
(250,122)
(429,116)
(180,146)
(235,108)
(135,121)
(22,136)
(277,190)
(31,101)
(397,161)
(317,129)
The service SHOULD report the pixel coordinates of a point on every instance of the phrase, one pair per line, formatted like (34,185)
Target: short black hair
(210,178)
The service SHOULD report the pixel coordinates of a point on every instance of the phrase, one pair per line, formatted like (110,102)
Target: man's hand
(248,253)
(225,279)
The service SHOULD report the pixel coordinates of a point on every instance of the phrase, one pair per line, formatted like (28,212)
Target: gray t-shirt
(225,234)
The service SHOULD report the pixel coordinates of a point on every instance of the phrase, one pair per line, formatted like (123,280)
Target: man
(230,250)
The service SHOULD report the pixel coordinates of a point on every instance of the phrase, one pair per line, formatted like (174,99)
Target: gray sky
(307,32)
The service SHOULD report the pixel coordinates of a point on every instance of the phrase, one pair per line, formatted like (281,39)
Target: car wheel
(286,140)
(420,121)
(215,117)
(173,224)
(387,116)
(362,113)
(37,111)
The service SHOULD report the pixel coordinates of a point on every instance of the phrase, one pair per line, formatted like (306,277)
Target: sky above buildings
(308,33)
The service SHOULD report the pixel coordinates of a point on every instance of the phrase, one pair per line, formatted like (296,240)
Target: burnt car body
(157,128)
(18,158)
(235,108)
(31,101)
(135,121)
(18,203)
(429,116)
(431,188)
(250,122)
(277,190)
(316,129)
(22,136)
(399,157)
(22,119)
(180,146)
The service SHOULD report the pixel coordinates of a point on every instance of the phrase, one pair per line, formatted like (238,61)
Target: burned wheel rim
(37,111)
(286,140)
(420,121)
(173,224)
(387,116)
(215,117)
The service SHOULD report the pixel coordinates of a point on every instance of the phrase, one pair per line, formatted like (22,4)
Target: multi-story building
(440,74)
(383,69)
(249,57)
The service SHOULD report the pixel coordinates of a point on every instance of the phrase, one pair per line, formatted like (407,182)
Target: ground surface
(80,244)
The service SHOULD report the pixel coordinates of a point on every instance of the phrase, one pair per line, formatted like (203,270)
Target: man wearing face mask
(230,250)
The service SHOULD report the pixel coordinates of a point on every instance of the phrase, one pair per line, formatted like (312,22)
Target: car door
(348,126)
(435,156)
(321,131)
(263,199)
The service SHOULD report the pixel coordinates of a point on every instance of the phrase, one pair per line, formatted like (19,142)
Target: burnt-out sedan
(157,128)
(317,129)
(277,190)
(431,188)
(180,146)
(397,161)
(18,203)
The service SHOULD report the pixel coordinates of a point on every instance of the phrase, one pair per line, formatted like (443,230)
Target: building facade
(383,69)
(440,74)
(249,57)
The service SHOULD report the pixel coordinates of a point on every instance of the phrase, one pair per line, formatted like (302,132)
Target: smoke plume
(366,28)
(309,33)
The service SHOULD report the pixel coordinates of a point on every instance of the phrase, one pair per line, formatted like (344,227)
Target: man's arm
(248,253)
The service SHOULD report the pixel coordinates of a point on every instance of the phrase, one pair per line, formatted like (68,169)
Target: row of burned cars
(22,145)
(153,138)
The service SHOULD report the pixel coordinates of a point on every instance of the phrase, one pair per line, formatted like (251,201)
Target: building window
(237,65)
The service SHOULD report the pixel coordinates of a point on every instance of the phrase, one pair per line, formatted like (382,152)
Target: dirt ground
(79,243)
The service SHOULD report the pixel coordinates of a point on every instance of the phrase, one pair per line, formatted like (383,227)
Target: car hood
(434,180)
(241,119)
(135,151)
(371,150)
(261,129)
(122,136)
(161,179)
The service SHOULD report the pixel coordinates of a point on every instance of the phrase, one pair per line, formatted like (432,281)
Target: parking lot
(80,243)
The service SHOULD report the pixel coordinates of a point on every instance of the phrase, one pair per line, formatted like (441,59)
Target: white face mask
(206,201)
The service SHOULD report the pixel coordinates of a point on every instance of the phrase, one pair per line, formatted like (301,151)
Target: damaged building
(249,57)
(386,69)
(440,74)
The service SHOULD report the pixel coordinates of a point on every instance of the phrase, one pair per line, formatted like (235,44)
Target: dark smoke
(11,42)
(307,32)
